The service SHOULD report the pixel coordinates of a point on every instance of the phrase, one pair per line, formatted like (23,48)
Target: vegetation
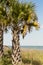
(30,57)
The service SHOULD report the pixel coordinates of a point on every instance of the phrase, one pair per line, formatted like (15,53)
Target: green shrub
(9,52)
(26,60)
(6,59)
(36,62)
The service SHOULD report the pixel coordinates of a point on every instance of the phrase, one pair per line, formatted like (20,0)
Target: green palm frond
(28,15)
(24,30)
(23,14)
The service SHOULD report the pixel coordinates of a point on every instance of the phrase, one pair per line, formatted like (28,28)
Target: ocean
(32,47)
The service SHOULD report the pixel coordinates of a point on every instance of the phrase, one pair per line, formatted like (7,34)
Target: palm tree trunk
(16,57)
(1,41)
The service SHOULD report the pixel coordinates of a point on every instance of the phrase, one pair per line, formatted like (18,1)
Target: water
(32,47)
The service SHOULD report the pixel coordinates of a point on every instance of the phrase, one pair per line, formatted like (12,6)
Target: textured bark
(1,41)
(16,57)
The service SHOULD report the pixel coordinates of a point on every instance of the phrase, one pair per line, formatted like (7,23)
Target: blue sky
(35,38)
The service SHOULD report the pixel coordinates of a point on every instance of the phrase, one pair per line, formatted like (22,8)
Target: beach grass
(29,57)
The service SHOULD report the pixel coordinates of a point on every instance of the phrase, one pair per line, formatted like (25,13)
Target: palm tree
(24,19)
(1,30)
(20,17)
(3,23)
(1,41)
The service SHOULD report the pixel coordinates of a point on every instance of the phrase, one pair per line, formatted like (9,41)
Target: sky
(35,38)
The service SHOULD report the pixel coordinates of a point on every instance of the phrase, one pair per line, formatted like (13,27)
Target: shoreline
(32,47)
(27,50)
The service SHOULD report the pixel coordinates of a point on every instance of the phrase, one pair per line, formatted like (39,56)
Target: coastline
(33,55)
